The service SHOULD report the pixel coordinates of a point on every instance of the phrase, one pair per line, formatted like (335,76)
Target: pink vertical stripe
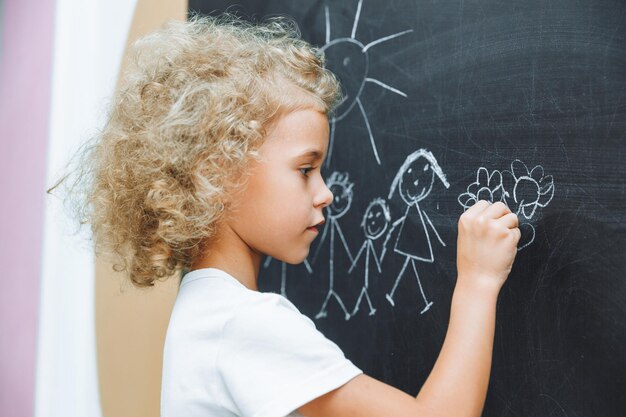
(25,76)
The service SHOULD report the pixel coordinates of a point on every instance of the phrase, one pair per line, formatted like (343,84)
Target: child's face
(285,193)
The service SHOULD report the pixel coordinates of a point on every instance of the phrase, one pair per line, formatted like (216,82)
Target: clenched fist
(487,245)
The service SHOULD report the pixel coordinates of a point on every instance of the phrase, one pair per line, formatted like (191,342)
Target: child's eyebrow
(314,153)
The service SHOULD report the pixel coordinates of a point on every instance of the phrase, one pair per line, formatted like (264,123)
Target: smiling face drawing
(342,194)
(417,180)
(376,219)
(416,176)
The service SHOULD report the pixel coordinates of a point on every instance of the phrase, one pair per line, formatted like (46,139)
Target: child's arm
(457,385)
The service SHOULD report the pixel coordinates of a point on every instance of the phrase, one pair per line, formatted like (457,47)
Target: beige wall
(131,323)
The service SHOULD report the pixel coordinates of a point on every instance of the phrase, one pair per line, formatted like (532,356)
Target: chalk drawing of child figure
(283,273)
(375,222)
(415,180)
(341,188)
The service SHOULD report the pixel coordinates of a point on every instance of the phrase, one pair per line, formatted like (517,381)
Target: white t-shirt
(231,351)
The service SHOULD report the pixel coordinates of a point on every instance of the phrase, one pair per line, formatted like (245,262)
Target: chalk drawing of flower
(488,186)
(531,189)
(523,190)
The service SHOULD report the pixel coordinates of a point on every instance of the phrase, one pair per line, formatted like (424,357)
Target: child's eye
(305,171)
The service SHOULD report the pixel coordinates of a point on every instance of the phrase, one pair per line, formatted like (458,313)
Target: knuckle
(500,204)
(494,228)
(465,218)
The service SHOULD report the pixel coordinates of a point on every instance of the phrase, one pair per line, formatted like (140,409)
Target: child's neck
(230,254)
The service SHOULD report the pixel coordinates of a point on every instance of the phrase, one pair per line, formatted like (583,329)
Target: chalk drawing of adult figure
(341,188)
(415,180)
(375,222)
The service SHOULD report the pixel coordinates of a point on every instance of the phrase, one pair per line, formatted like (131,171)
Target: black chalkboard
(521,101)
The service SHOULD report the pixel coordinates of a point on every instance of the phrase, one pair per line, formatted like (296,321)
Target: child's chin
(296,259)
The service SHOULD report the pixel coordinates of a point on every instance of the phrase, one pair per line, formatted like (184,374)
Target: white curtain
(89,39)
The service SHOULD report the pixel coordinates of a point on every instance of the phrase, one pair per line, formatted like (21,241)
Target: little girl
(211,160)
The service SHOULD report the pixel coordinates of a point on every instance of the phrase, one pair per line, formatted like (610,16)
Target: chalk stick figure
(375,222)
(415,180)
(341,188)
(283,273)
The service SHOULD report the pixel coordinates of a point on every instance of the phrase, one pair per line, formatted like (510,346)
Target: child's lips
(314,228)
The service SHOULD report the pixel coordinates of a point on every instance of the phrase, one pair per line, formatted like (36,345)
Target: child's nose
(325,197)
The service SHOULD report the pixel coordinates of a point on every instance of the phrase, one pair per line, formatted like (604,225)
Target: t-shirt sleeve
(273,360)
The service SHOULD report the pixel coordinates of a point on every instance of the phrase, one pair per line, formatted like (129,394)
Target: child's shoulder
(217,293)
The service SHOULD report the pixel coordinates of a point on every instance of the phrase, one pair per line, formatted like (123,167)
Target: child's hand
(487,245)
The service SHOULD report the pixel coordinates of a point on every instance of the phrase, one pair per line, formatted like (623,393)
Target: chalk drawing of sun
(348,59)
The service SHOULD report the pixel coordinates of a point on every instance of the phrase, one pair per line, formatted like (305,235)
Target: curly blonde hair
(191,111)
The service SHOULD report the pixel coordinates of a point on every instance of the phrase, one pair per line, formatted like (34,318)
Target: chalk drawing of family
(415,231)
(412,235)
